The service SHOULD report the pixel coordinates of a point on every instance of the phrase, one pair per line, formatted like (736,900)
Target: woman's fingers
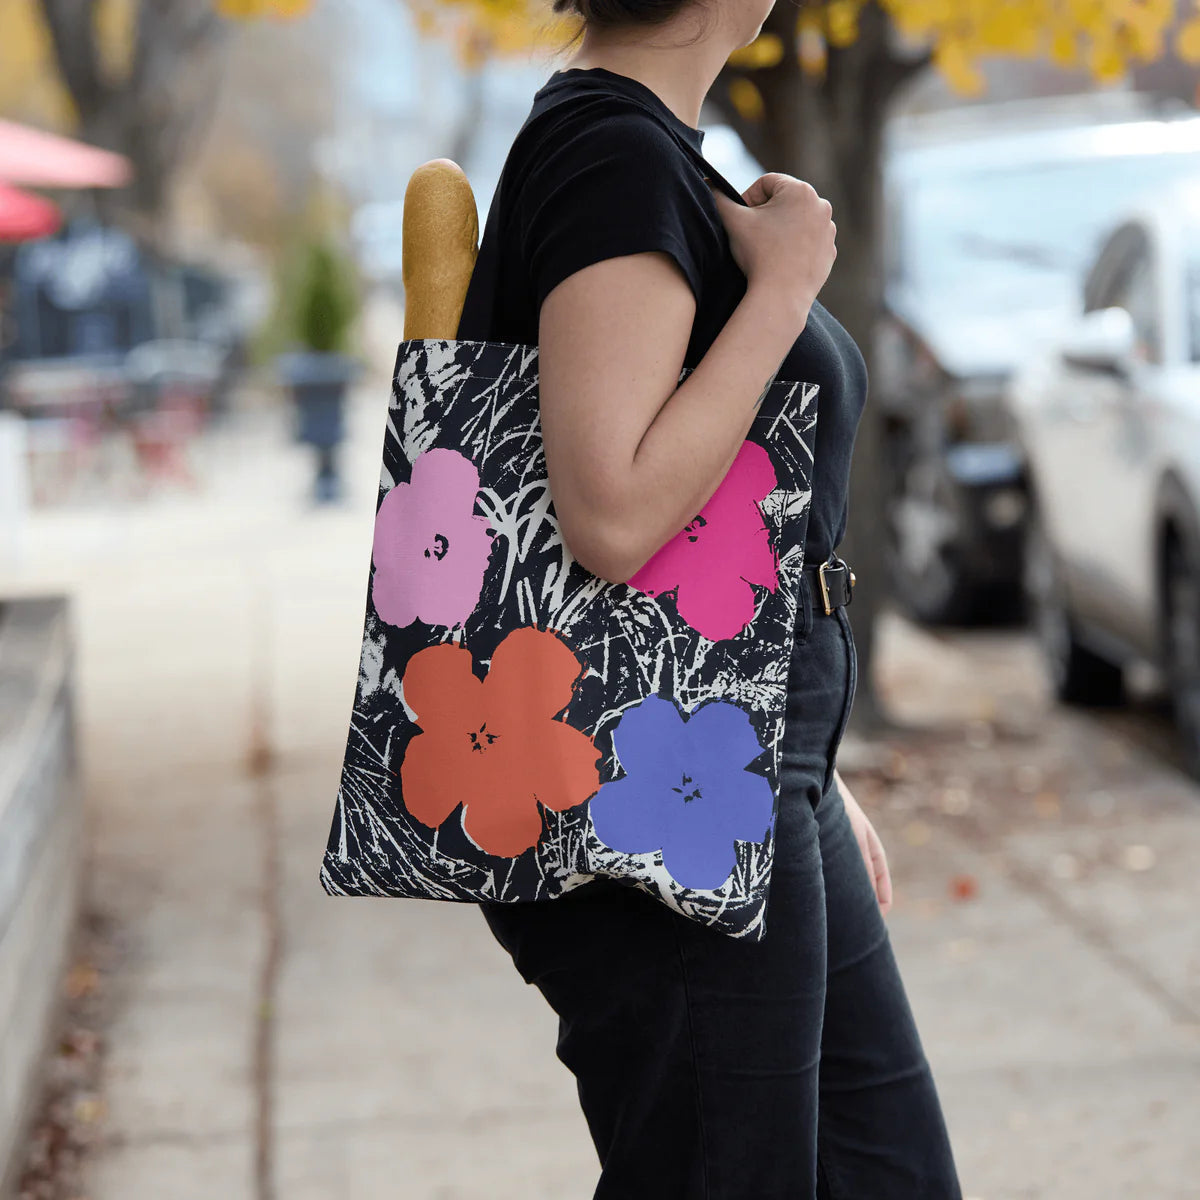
(879,870)
(869,846)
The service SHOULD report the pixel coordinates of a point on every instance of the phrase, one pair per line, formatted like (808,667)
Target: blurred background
(200,304)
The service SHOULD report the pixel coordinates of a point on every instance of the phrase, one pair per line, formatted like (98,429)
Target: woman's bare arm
(632,457)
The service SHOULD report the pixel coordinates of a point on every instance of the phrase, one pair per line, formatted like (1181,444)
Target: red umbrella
(37,159)
(23,217)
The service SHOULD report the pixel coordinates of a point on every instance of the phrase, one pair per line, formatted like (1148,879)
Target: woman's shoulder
(595,173)
(595,122)
(593,146)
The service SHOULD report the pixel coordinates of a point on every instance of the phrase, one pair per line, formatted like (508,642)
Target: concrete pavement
(270,1041)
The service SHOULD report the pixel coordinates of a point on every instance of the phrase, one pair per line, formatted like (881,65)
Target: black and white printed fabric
(522,726)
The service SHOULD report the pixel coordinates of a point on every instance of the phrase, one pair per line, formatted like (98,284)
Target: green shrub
(326,304)
(316,304)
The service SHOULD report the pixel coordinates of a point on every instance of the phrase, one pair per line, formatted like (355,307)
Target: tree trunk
(466,129)
(154,115)
(828,131)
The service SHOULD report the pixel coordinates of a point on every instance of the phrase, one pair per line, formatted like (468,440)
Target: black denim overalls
(712,1068)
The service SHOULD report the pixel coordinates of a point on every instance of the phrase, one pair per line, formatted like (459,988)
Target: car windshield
(1003,238)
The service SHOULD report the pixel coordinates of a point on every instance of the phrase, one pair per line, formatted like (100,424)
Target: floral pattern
(492,744)
(431,550)
(685,791)
(514,710)
(712,563)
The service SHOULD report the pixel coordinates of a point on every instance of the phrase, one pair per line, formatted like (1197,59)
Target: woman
(708,1067)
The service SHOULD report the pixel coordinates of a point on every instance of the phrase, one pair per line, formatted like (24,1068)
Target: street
(268,1041)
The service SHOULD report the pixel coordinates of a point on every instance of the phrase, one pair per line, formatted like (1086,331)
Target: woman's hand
(782,238)
(870,846)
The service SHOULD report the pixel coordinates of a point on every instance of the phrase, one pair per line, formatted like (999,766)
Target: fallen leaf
(961,949)
(955,800)
(896,766)
(917,833)
(1028,778)
(1065,866)
(963,887)
(1138,857)
(82,980)
(1047,804)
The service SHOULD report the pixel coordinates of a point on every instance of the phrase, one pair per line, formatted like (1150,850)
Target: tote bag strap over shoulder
(479,308)
(707,169)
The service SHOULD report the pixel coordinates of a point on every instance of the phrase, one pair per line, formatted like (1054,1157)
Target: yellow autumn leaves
(478,29)
(245,10)
(1105,37)
(482,29)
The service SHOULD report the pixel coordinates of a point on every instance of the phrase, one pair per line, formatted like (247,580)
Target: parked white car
(992,219)
(1107,413)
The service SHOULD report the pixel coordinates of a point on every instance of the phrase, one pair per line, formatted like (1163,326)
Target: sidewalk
(273,1042)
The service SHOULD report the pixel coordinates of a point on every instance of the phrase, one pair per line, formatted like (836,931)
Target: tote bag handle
(483,291)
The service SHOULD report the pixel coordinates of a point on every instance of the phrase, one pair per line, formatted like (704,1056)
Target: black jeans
(712,1068)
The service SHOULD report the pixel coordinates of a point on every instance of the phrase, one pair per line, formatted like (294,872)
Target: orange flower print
(492,744)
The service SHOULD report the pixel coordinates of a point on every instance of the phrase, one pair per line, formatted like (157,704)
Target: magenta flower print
(430,548)
(685,791)
(712,564)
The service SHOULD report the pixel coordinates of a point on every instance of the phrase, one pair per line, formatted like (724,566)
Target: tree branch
(169,31)
(73,35)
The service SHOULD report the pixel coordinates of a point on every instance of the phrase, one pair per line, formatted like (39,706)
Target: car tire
(1181,644)
(922,530)
(1077,674)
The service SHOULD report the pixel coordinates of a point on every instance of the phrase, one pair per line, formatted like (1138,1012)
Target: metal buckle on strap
(836,564)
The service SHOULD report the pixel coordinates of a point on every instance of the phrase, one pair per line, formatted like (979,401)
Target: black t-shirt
(599,177)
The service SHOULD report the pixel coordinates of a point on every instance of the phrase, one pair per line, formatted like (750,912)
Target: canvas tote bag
(522,726)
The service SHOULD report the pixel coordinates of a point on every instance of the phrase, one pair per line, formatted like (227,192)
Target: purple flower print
(685,791)
(430,549)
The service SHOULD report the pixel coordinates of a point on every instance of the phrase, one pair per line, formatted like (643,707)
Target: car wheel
(1181,627)
(1077,674)
(923,530)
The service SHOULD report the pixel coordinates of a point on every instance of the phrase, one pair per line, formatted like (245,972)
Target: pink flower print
(712,563)
(430,549)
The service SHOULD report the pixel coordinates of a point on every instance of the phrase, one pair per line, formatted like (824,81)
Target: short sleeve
(609,186)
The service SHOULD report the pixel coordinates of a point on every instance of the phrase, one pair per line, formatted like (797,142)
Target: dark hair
(617,14)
